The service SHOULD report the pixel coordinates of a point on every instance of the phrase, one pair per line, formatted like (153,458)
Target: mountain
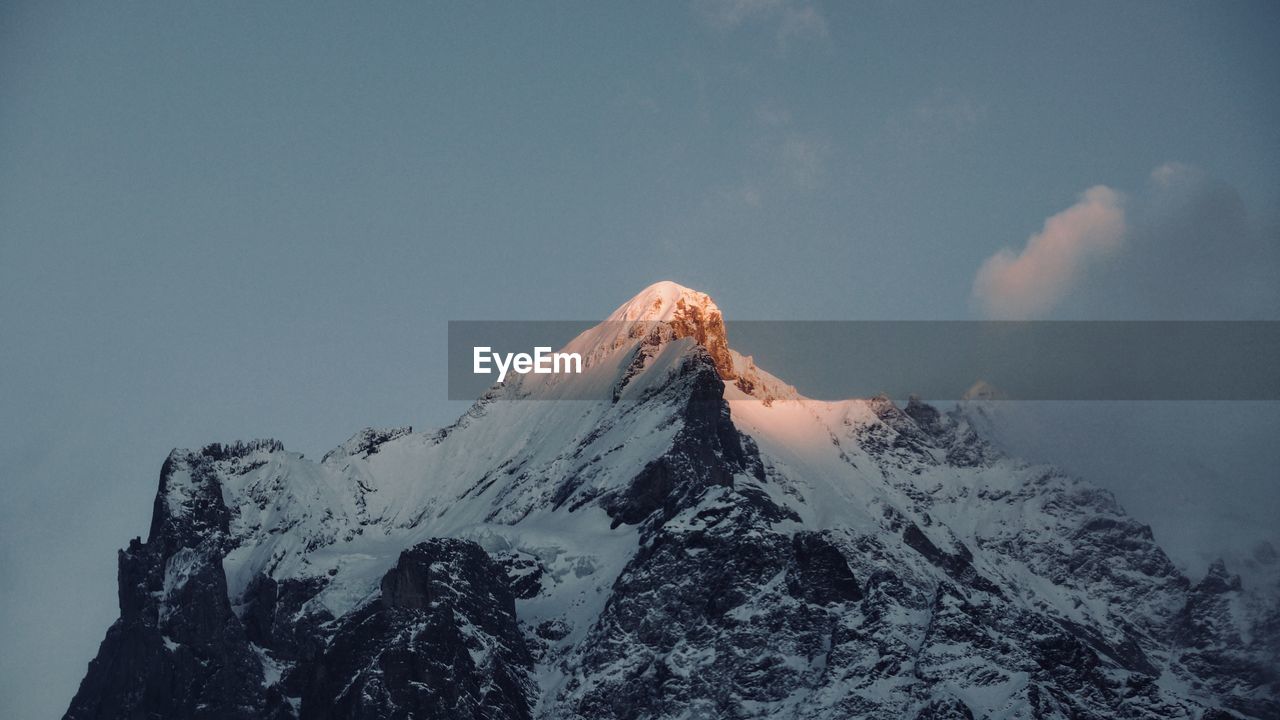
(700,542)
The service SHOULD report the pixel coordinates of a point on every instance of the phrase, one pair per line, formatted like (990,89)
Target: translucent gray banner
(945,360)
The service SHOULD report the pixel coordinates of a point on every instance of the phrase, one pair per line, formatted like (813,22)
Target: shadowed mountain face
(708,545)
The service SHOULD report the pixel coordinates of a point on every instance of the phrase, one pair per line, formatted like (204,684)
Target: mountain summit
(665,312)
(660,313)
(664,301)
(701,543)
(689,313)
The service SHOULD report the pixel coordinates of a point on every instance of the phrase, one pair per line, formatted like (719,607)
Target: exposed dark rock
(177,651)
(820,575)
(708,451)
(945,709)
(440,642)
(366,442)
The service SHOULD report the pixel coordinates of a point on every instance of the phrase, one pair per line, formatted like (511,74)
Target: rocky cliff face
(178,649)
(704,543)
(442,641)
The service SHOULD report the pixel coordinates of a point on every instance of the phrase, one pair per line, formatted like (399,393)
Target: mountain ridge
(708,543)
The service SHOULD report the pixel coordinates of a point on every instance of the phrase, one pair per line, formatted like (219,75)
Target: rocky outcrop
(707,452)
(440,642)
(1220,653)
(177,650)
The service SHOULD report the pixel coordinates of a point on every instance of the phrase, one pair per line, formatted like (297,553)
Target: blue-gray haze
(231,219)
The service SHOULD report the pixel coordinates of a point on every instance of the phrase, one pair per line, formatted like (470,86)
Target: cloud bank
(1026,285)
(1184,247)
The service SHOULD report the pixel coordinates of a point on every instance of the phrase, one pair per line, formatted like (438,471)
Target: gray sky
(229,220)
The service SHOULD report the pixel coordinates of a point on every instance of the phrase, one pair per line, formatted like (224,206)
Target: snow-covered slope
(701,541)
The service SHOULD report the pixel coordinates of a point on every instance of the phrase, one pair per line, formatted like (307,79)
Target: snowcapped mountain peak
(664,301)
(658,315)
(696,540)
(665,312)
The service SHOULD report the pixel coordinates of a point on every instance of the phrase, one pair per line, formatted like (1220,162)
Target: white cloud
(796,22)
(1029,284)
(1181,247)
